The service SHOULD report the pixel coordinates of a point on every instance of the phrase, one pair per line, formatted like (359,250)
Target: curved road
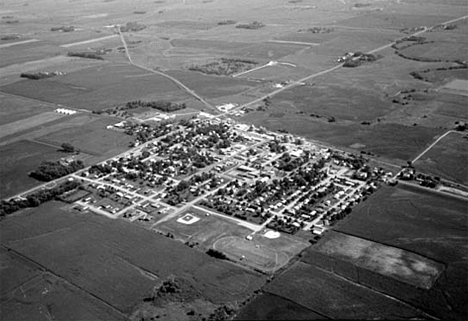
(177,82)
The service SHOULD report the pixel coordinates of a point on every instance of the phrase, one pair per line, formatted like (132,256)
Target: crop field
(263,51)
(333,296)
(447,159)
(13,109)
(49,296)
(28,52)
(17,160)
(28,123)
(212,86)
(92,137)
(92,254)
(14,272)
(426,223)
(96,88)
(393,262)
(268,306)
(65,64)
(277,73)
(336,101)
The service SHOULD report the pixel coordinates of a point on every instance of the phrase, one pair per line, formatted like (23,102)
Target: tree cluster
(63,29)
(132,26)
(88,55)
(216,254)
(36,198)
(253,25)
(162,105)
(48,171)
(224,66)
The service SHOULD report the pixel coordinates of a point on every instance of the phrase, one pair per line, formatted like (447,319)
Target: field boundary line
(47,270)
(375,291)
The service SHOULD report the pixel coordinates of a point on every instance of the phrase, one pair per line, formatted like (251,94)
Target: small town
(274,181)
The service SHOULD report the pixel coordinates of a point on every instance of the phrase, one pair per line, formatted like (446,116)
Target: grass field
(17,160)
(334,297)
(447,159)
(206,231)
(258,256)
(89,251)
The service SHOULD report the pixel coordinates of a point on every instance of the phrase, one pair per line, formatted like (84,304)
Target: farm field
(447,159)
(268,306)
(212,86)
(98,87)
(426,223)
(334,297)
(100,256)
(14,272)
(92,137)
(392,262)
(49,296)
(14,108)
(28,52)
(20,158)
(400,254)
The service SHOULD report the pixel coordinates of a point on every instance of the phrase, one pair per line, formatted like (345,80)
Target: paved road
(300,81)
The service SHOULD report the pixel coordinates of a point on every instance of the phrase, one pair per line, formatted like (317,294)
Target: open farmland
(372,80)
(333,297)
(212,86)
(84,137)
(404,266)
(13,109)
(268,306)
(99,87)
(100,256)
(425,223)
(14,272)
(20,158)
(28,52)
(52,297)
(447,159)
